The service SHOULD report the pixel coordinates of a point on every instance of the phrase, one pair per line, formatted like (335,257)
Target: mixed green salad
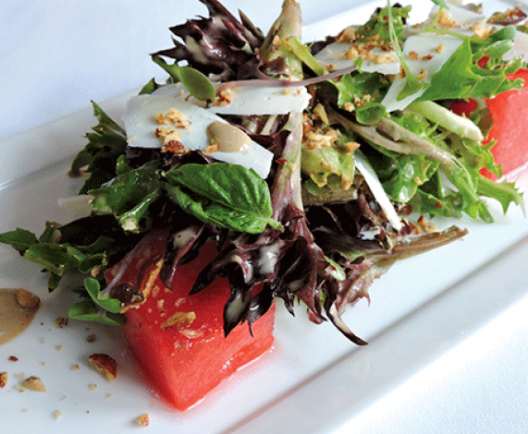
(312,166)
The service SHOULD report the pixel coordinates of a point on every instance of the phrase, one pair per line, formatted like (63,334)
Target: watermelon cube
(179,339)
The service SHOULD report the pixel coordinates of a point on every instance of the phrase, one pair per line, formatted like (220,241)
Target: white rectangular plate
(314,380)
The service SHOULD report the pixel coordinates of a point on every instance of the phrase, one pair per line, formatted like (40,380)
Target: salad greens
(334,213)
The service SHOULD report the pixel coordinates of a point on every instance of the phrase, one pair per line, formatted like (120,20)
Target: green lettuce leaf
(105,144)
(323,162)
(461,77)
(130,194)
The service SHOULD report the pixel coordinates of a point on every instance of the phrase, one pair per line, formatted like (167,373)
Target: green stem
(459,125)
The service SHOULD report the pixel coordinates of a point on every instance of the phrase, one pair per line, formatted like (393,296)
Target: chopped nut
(413,55)
(352,53)
(351,146)
(58,347)
(223,98)
(179,319)
(143,420)
(91,338)
(384,58)
(174,147)
(75,367)
(3,379)
(320,112)
(349,107)
(447,20)
(105,365)
(440,48)
(316,140)
(34,383)
(211,149)
(348,35)
(422,75)
(61,322)
(57,414)
(481,31)
(92,386)
(192,333)
(134,292)
(13,359)
(26,299)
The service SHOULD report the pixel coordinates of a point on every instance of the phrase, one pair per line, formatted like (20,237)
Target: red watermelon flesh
(179,339)
(509,111)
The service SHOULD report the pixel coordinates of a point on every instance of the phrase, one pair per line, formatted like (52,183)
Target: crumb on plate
(143,420)
(105,365)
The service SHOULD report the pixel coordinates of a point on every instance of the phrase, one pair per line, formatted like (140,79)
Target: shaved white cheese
(141,125)
(79,205)
(465,18)
(424,54)
(372,180)
(338,55)
(176,90)
(458,19)
(264,101)
(248,100)
(520,47)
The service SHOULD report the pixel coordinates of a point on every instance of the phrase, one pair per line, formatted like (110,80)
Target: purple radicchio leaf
(219,45)
(181,247)
(508,18)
